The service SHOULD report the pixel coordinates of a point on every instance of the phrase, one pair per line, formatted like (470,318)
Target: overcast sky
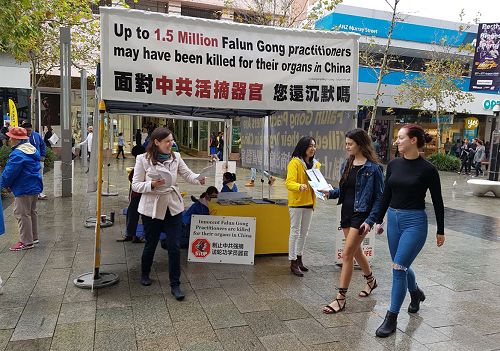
(441,9)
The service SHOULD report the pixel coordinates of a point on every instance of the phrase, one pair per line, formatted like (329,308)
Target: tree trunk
(383,69)
(33,93)
(438,133)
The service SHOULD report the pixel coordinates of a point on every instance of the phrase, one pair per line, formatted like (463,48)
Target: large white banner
(172,60)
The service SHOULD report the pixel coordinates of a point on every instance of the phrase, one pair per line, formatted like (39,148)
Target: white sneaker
(36,242)
(42,196)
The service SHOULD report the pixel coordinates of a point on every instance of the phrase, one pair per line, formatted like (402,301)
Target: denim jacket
(369,188)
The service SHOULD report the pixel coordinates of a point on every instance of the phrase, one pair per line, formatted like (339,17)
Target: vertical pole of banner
(84,119)
(67,164)
(268,118)
(263,157)
(97,254)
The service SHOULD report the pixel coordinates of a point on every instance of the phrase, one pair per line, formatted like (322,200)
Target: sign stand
(98,279)
(108,192)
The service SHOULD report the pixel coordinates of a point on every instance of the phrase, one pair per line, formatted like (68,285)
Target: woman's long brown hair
(362,139)
(152,150)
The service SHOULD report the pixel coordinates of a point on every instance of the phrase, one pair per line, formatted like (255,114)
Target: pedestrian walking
(407,180)
(47,136)
(479,157)
(121,144)
(301,200)
(360,193)
(213,147)
(21,175)
(220,146)
(161,205)
(464,157)
(88,140)
(36,140)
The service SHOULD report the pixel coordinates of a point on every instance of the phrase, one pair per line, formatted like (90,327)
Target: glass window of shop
(203,136)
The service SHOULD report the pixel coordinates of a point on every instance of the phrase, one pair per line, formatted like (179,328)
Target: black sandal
(372,284)
(328,309)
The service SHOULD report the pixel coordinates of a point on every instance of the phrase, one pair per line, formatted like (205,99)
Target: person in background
(360,193)
(36,140)
(228,183)
(5,130)
(211,191)
(121,144)
(220,146)
(161,205)
(457,148)
(479,157)
(132,213)
(21,175)
(199,207)
(88,140)
(448,146)
(464,157)
(301,200)
(47,136)
(376,145)
(251,183)
(138,137)
(407,180)
(213,147)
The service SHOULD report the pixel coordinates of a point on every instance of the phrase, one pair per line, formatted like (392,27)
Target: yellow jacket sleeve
(292,177)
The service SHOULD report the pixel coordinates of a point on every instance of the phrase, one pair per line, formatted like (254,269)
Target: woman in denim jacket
(360,193)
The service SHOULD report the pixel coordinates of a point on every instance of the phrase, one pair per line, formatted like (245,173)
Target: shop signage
(448,119)
(486,66)
(221,239)
(488,104)
(471,123)
(175,60)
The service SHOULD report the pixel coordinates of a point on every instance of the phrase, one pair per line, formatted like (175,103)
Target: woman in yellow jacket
(301,200)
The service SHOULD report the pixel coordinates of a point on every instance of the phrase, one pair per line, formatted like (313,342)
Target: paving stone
(160,343)
(309,331)
(287,309)
(264,323)
(281,342)
(114,318)
(5,335)
(212,296)
(249,303)
(77,312)
(42,344)
(239,339)
(77,336)
(38,319)
(118,340)
(196,335)
(9,317)
(224,316)
(182,312)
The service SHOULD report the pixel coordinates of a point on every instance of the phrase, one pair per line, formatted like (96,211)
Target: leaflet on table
(318,182)
(206,172)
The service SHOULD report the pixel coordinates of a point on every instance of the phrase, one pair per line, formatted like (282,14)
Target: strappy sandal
(372,285)
(328,309)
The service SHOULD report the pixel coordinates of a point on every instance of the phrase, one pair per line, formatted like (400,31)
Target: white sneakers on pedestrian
(42,196)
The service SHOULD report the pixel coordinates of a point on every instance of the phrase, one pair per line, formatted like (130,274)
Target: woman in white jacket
(161,205)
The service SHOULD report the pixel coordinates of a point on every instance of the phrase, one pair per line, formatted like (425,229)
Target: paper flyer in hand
(318,182)
(206,172)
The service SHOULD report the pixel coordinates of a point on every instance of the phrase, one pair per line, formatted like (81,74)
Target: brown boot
(294,267)
(251,183)
(301,266)
(272,180)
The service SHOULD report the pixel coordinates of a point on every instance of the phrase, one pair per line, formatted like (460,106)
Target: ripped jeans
(406,234)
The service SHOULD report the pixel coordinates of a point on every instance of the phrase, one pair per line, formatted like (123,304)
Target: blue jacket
(2,224)
(22,171)
(229,188)
(369,189)
(196,209)
(37,141)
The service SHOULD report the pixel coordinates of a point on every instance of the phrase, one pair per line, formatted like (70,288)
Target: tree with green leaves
(280,13)
(437,90)
(29,32)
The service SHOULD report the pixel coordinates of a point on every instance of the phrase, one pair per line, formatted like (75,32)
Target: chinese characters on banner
(286,128)
(486,68)
(171,60)
(220,239)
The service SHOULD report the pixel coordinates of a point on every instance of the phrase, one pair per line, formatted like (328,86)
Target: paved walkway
(261,307)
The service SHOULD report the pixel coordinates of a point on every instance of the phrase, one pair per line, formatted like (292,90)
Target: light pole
(495,145)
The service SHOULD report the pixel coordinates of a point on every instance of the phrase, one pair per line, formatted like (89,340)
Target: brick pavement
(260,307)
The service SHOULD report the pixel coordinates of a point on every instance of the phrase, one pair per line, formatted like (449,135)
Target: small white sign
(221,239)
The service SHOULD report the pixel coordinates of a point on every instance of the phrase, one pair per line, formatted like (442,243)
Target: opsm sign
(488,104)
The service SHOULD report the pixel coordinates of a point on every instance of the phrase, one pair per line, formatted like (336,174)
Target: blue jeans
(172,225)
(406,234)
